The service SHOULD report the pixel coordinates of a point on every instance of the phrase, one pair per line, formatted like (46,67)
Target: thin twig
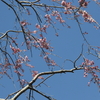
(44,80)
(48,97)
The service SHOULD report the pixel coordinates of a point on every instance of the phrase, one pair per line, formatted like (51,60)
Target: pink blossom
(83,3)
(48,17)
(55,13)
(67,12)
(29,65)
(19,61)
(66,4)
(23,82)
(24,23)
(40,77)
(49,61)
(15,50)
(43,43)
(37,26)
(35,31)
(88,62)
(18,73)
(26,59)
(89,68)
(85,74)
(44,28)
(86,16)
(35,73)
(17,66)
(63,3)
(28,44)
(58,16)
(23,59)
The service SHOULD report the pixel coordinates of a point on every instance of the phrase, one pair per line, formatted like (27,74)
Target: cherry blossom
(83,3)
(89,68)
(35,31)
(35,73)
(49,61)
(48,17)
(57,16)
(43,43)
(18,72)
(88,62)
(67,5)
(37,26)
(42,28)
(23,82)
(15,50)
(86,16)
(24,23)
(29,65)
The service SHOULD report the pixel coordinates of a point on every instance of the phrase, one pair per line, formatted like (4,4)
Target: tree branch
(48,97)
(8,32)
(40,74)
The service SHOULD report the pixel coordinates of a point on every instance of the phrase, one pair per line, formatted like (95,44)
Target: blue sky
(67,45)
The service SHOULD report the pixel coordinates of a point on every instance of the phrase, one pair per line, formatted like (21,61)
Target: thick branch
(20,92)
(40,74)
(53,72)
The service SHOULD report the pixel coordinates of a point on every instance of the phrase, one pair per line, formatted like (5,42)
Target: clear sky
(68,45)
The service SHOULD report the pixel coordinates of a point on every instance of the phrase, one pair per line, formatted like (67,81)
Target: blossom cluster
(35,73)
(42,43)
(4,67)
(68,7)
(49,61)
(18,64)
(83,3)
(43,28)
(57,16)
(15,50)
(86,16)
(89,68)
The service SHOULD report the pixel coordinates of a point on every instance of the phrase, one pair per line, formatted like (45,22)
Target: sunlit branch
(41,74)
(20,92)
(8,32)
(53,72)
(10,95)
